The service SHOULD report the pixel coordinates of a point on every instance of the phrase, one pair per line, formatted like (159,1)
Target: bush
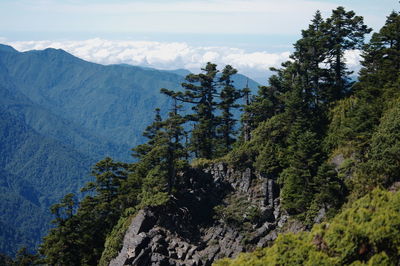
(114,241)
(368,232)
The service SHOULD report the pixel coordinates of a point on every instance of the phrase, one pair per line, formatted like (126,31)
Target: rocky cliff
(219,213)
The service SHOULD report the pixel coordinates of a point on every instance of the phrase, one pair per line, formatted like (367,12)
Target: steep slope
(49,124)
(35,172)
(220,213)
(58,116)
(109,100)
(115,101)
(316,147)
(97,98)
(366,233)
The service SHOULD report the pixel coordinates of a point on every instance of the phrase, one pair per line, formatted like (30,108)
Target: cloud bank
(170,55)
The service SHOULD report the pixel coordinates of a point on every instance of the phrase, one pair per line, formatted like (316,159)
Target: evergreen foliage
(297,101)
(346,32)
(79,236)
(365,233)
(82,229)
(229,96)
(382,164)
(211,135)
(58,116)
(200,90)
(309,114)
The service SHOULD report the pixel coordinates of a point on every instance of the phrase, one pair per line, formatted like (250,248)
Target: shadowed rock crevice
(218,212)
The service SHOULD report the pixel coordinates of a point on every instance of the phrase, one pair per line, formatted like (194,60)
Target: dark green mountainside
(110,102)
(317,154)
(34,173)
(59,115)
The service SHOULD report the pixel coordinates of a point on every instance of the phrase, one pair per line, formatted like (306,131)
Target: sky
(251,35)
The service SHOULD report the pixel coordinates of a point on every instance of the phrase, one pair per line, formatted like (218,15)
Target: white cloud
(353,58)
(172,55)
(161,55)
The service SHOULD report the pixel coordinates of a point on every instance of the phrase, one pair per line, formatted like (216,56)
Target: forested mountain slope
(36,172)
(362,142)
(317,155)
(111,101)
(59,115)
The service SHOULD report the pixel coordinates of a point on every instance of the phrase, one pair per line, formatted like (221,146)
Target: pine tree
(268,101)
(311,53)
(59,246)
(383,164)
(24,258)
(200,90)
(109,177)
(150,133)
(79,236)
(228,98)
(165,153)
(246,116)
(176,152)
(381,58)
(346,32)
(303,160)
(354,119)
(263,106)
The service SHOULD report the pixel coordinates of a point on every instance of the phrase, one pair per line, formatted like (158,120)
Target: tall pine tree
(228,102)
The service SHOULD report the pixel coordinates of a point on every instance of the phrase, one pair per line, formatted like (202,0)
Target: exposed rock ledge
(186,231)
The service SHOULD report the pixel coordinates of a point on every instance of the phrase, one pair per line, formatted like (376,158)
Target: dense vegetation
(328,141)
(58,116)
(365,233)
(121,189)
(363,130)
(44,152)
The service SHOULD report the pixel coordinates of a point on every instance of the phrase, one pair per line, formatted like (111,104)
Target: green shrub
(114,241)
(237,211)
(365,233)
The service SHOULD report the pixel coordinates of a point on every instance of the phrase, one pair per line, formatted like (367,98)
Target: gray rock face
(320,215)
(337,161)
(135,240)
(187,231)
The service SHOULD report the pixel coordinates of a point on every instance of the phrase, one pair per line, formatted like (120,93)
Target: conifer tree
(176,152)
(383,164)
(228,98)
(200,91)
(150,133)
(355,119)
(268,101)
(346,32)
(79,236)
(246,116)
(263,106)
(109,176)
(303,159)
(24,258)
(381,57)
(165,153)
(311,53)
(60,247)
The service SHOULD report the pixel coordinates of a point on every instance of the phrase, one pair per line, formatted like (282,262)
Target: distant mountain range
(58,116)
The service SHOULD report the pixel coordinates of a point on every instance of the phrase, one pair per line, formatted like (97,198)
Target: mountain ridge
(73,110)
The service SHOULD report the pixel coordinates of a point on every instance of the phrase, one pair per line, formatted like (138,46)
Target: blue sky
(255,29)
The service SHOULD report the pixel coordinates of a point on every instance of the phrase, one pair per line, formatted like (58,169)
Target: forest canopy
(329,142)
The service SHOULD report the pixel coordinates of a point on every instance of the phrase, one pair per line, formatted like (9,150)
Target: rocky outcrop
(219,212)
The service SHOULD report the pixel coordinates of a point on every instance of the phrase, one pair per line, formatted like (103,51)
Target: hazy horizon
(251,35)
